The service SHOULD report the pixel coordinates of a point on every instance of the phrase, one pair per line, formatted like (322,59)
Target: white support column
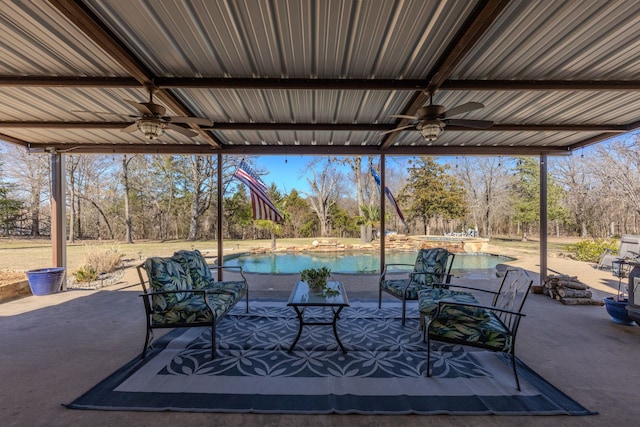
(58,213)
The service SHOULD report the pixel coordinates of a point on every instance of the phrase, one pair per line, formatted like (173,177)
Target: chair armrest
(213,268)
(442,305)
(447,275)
(386,268)
(186,291)
(471,288)
(218,291)
(635,254)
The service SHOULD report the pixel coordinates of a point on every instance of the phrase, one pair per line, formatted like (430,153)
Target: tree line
(591,194)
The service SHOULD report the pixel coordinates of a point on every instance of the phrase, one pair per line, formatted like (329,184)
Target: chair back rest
(166,274)
(196,266)
(512,295)
(629,243)
(435,260)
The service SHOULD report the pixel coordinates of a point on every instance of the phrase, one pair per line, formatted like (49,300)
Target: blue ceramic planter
(45,281)
(618,311)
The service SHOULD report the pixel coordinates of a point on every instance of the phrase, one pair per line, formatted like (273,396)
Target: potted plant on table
(316,279)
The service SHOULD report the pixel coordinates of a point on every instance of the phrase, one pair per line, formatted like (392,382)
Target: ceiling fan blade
(404,116)
(187,132)
(397,129)
(464,108)
(140,107)
(476,124)
(200,121)
(131,128)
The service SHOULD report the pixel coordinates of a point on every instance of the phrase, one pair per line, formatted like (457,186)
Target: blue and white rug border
(104,397)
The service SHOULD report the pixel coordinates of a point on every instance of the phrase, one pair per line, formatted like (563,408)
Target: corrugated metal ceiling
(318,76)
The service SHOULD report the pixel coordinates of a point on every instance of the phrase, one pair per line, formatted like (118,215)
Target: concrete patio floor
(54,348)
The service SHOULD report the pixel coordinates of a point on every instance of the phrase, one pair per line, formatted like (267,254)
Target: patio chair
(489,327)
(629,249)
(431,266)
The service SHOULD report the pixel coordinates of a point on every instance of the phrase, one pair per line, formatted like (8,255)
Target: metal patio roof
(319,76)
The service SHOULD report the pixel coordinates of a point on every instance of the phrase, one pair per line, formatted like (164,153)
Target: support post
(58,213)
(219,233)
(383,183)
(543,218)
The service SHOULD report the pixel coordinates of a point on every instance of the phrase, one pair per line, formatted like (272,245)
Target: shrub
(102,260)
(85,274)
(592,250)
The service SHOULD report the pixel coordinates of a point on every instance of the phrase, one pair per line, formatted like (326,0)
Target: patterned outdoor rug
(383,371)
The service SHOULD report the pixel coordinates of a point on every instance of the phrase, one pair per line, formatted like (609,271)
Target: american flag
(392,199)
(262,206)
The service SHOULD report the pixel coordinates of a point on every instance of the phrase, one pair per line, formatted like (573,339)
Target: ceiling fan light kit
(152,122)
(151,128)
(430,132)
(430,120)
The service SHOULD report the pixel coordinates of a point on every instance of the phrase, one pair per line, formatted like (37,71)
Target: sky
(286,172)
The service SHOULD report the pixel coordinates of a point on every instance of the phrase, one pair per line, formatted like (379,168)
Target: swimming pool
(350,262)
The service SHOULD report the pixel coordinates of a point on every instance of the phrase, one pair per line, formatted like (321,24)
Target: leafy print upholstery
(196,266)
(432,261)
(235,288)
(484,331)
(397,287)
(195,309)
(165,274)
(428,304)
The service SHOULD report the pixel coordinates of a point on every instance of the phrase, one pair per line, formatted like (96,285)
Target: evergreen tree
(431,192)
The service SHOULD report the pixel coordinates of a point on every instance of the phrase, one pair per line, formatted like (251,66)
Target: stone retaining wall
(392,243)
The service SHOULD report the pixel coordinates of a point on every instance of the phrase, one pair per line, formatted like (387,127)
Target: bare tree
(325,183)
(202,171)
(31,173)
(126,189)
(617,166)
(486,180)
(580,184)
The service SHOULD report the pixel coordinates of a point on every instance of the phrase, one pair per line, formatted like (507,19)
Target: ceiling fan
(151,119)
(431,119)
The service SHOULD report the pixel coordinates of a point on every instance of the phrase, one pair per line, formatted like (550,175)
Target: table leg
(299,313)
(336,315)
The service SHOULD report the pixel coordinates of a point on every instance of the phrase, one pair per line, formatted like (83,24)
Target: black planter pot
(618,311)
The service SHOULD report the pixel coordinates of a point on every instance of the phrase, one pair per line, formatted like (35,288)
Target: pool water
(346,262)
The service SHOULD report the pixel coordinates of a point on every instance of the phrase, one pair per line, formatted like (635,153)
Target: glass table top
(302,296)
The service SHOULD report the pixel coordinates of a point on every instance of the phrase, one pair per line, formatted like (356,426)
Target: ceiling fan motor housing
(431,112)
(157,109)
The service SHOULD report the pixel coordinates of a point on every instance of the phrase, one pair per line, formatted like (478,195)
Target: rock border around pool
(392,243)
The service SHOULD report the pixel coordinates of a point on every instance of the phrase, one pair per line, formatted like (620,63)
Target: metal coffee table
(301,298)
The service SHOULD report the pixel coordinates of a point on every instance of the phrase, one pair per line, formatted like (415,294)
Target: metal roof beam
(322,84)
(365,127)
(485,13)
(306,150)
(83,18)
(539,85)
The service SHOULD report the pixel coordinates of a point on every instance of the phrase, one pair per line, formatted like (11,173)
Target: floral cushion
(196,266)
(469,330)
(165,274)
(236,288)
(428,304)
(433,262)
(397,287)
(194,310)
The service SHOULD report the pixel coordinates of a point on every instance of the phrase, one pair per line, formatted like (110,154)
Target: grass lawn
(26,254)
